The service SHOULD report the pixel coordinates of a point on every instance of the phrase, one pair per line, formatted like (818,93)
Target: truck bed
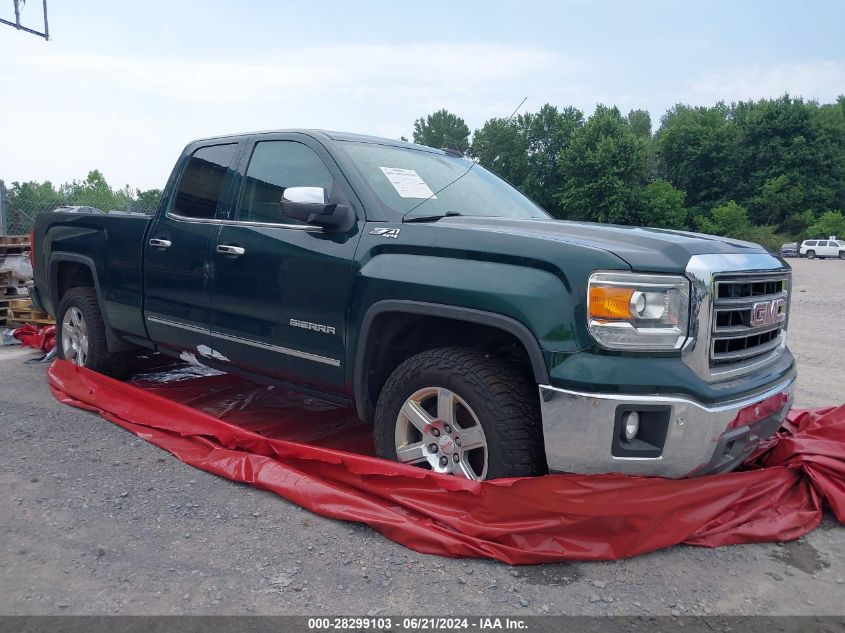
(113,243)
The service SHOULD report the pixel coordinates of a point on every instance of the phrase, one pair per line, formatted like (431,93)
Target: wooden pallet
(15,308)
(21,311)
(14,249)
(24,303)
(14,245)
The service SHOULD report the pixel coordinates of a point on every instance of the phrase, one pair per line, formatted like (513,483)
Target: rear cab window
(202,181)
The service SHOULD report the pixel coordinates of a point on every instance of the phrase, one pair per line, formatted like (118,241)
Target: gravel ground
(97,521)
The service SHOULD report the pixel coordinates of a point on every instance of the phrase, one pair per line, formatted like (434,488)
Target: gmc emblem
(767,312)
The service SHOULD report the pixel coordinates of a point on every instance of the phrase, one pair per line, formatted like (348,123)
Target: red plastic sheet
(319,457)
(43,338)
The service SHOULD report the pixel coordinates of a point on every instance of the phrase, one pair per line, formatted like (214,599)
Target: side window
(202,181)
(810,243)
(275,166)
(823,243)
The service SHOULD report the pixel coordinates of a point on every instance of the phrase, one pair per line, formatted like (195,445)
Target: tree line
(767,171)
(28,199)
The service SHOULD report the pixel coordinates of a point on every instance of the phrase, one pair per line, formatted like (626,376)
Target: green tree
(94,191)
(830,223)
(696,151)
(663,206)
(730,220)
(547,133)
(441,129)
(26,200)
(777,201)
(525,150)
(786,138)
(640,122)
(501,147)
(603,167)
(146,201)
(799,223)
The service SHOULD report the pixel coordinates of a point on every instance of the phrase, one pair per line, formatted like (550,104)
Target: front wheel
(841,254)
(811,254)
(81,333)
(462,412)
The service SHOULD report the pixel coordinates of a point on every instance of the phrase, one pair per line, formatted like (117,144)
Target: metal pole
(3,224)
(46,28)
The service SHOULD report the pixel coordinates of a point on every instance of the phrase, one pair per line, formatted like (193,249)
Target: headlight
(638,312)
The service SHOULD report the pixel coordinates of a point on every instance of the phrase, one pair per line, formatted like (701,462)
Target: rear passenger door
(177,263)
(281,286)
(825,249)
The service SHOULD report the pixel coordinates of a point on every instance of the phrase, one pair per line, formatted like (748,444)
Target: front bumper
(683,437)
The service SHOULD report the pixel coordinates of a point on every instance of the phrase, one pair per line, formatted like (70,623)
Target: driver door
(281,286)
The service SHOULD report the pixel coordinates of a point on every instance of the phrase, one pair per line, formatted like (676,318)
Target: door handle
(162,244)
(232,251)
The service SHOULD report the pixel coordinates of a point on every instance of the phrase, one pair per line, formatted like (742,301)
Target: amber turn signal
(610,302)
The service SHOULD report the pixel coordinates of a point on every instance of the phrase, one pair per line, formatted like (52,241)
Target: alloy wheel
(74,337)
(437,429)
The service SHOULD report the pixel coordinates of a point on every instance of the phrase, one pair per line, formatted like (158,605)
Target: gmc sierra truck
(480,336)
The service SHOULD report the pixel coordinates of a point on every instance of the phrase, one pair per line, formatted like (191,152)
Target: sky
(123,86)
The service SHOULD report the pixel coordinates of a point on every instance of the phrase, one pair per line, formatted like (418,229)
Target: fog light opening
(631,425)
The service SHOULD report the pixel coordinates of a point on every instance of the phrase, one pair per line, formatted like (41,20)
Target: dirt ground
(97,521)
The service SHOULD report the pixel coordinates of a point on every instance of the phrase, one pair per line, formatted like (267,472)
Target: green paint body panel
(534,272)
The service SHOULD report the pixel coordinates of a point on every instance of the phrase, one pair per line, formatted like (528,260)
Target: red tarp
(43,338)
(320,457)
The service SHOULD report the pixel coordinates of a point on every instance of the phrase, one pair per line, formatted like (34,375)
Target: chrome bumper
(582,431)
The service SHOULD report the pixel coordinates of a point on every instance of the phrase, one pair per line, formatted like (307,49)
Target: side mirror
(311,205)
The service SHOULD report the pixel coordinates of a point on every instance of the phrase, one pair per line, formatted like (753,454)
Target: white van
(822,248)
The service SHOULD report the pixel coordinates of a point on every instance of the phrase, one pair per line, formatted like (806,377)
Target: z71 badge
(385,232)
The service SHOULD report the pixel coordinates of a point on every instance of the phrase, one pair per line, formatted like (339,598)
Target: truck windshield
(414,183)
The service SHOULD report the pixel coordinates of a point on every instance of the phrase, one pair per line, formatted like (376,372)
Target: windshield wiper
(432,218)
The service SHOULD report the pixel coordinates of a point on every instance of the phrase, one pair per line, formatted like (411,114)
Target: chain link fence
(20,204)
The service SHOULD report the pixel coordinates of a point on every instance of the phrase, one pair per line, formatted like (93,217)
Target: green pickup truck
(480,336)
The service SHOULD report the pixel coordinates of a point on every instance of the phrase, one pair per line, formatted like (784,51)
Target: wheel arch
(365,349)
(62,262)
(58,285)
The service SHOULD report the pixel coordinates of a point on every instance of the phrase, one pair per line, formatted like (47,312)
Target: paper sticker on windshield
(407,183)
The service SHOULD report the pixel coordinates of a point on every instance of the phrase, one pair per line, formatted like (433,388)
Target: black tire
(98,358)
(811,254)
(841,254)
(506,404)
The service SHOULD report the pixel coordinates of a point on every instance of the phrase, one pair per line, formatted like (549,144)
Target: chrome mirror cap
(304,195)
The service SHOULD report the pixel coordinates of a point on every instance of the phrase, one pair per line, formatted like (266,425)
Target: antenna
(512,113)
(18,5)
(474,163)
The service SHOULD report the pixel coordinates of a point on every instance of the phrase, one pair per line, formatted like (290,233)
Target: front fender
(536,298)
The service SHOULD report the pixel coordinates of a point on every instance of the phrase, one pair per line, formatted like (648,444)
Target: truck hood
(657,250)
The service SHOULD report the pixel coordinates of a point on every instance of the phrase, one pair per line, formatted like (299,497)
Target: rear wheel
(460,411)
(811,254)
(841,254)
(81,333)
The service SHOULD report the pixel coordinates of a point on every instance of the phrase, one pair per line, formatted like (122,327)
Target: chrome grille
(747,320)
